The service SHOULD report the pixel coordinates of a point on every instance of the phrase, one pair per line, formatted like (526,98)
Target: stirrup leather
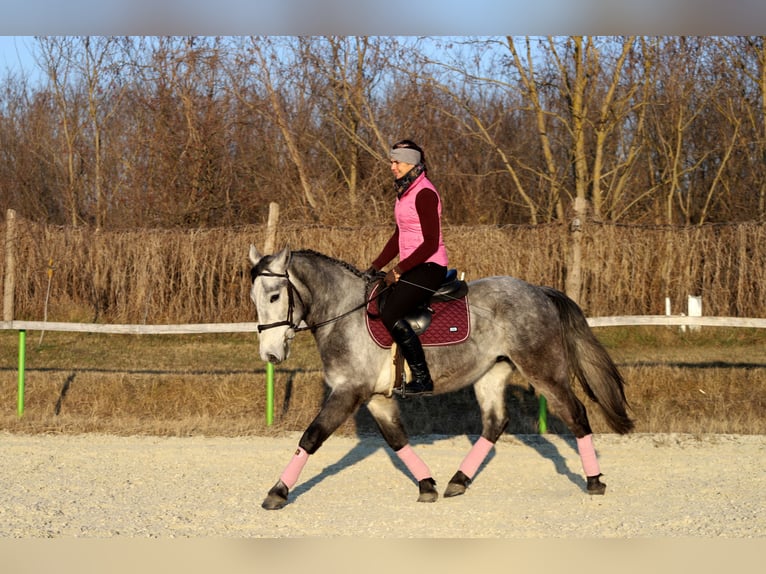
(400,370)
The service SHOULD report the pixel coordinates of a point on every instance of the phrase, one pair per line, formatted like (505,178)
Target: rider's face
(399,168)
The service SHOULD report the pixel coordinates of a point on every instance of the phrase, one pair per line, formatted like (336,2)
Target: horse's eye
(274,298)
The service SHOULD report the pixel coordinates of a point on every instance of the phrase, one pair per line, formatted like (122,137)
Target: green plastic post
(269,393)
(22,361)
(542,415)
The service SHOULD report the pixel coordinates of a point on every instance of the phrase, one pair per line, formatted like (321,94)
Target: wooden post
(271,228)
(268,248)
(10,265)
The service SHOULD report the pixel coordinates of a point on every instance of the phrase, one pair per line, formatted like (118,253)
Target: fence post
(271,228)
(694,309)
(542,415)
(10,265)
(271,241)
(269,394)
(22,367)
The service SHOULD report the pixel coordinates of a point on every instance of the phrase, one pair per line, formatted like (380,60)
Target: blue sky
(16,52)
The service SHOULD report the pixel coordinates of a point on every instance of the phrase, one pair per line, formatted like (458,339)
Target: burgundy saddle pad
(451,323)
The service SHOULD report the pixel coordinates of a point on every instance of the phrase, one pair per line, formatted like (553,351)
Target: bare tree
(598,104)
(526,70)
(574,90)
(152,131)
(57,57)
(100,66)
(747,56)
(28,180)
(468,80)
(266,59)
(186,115)
(625,193)
(678,110)
(613,109)
(348,69)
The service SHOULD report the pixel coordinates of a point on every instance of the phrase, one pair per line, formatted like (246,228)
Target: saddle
(443,320)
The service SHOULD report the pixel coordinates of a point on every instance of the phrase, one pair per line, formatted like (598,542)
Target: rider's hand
(392,276)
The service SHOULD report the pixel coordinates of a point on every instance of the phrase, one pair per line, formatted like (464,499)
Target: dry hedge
(198,276)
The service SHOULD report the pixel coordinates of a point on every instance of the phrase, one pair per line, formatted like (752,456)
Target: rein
(292,291)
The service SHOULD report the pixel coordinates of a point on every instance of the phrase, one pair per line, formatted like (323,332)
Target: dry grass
(710,381)
(150,276)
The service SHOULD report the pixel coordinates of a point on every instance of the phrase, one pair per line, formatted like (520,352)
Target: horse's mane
(333,260)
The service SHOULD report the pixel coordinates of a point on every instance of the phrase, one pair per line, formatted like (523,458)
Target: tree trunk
(573,282)
(577,103)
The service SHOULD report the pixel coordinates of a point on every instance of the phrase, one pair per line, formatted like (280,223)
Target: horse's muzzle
(276,354)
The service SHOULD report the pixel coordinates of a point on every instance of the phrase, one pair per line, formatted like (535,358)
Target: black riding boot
(412,350)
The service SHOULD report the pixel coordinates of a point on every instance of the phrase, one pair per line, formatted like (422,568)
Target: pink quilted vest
(410,233)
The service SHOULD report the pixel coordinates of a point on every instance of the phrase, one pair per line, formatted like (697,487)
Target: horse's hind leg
(490,393)
(336,409)
(387,417)
(563,401)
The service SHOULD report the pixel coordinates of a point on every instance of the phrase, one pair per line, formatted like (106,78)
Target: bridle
(292,293)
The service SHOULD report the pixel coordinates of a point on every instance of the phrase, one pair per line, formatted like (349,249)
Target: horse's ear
(255,257)
(282,260)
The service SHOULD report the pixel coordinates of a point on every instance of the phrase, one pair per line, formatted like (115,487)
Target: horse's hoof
(595,486)
(454,489)
(277,497)
(428,492)
(458,484)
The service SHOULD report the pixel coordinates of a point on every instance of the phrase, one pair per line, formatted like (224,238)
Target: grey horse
(514,325)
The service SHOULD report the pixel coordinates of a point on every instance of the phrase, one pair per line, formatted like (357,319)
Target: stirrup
(404,392)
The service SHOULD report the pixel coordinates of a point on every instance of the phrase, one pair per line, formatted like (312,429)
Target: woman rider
(417,240)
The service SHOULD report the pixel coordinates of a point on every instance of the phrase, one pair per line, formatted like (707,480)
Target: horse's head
(277,303)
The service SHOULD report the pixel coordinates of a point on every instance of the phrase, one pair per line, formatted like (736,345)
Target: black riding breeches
(414,288)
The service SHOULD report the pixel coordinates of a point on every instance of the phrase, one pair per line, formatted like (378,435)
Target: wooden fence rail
(126,329)
(675,320)
(202,328)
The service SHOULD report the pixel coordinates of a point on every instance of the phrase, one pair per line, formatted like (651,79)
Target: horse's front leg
(490,393)
(337,408)
(387,417)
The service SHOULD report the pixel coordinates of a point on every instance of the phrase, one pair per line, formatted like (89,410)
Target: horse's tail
(591,364)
